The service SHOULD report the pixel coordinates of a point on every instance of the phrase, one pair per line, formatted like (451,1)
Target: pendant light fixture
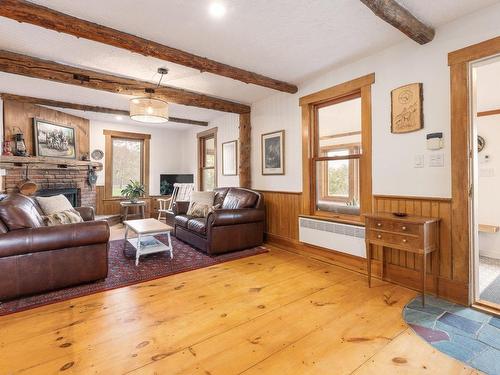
(148,109)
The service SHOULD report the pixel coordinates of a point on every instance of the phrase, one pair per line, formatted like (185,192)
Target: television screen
(167,182)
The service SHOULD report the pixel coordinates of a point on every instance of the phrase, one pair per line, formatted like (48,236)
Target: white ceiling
(284,39)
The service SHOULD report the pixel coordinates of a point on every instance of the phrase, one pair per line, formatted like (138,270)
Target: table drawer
(396,239)
(380,224)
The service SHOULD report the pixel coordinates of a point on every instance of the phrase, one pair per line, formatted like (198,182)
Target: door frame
(460,62)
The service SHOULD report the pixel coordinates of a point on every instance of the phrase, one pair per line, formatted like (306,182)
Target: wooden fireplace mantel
(38,162)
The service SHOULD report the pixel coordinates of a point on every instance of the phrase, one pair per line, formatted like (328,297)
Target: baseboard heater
(344,238)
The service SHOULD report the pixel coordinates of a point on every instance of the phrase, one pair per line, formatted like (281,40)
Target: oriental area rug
(123,272)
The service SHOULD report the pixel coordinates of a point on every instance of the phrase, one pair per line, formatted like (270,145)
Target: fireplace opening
(70,193)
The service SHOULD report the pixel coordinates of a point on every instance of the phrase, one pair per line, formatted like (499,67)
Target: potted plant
(133,191)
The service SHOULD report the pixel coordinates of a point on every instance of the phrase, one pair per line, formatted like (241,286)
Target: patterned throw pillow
(201,210)
(63,217)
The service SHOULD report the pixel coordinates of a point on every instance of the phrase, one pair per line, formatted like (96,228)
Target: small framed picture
(230,158)
(273,153)
(53,140)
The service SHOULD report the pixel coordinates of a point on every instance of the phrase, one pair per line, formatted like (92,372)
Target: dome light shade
(148,110)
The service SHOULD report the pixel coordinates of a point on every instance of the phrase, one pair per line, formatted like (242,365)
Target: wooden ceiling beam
(33,67)
(24,11)
(399,17)
(88,108)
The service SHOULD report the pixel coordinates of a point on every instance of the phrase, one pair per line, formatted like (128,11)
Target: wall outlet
(419,161)
(436,160)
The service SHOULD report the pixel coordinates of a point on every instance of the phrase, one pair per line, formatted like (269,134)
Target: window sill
(336,219)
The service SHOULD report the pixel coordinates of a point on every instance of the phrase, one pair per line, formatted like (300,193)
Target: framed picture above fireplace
(54,140)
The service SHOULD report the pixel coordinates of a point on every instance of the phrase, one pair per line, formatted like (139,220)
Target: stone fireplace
(52,179)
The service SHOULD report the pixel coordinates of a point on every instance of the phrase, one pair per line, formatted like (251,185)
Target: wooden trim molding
(337,91)
(474,52)
(461,147)
(489,113)
(120,134)
(108,165)
(24,11)
(33,67)
(200,138)
(438,199)
(359,87)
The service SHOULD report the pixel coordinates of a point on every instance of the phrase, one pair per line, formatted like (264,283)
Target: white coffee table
(145,243)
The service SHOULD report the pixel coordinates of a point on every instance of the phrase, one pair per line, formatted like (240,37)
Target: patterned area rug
(463,333)
(123,272)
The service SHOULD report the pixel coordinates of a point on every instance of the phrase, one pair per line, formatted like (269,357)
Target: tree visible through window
(127,163)
(339,150)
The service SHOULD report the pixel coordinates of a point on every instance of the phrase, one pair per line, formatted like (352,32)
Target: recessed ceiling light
(217,10)
(119,118)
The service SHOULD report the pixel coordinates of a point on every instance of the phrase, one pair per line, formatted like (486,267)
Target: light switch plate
(436,160)
(419,161)
(3,172)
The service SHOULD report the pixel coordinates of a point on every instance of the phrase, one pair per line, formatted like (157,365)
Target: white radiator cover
(344,238)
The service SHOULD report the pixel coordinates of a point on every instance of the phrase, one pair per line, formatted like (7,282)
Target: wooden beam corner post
(244,151)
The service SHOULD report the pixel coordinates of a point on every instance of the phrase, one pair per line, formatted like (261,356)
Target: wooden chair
(181,192)
(163,207)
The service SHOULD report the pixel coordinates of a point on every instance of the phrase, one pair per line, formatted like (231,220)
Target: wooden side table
(414,234)
(125,205)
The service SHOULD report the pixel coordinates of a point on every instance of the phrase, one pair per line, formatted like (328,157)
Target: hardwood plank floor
(275,313)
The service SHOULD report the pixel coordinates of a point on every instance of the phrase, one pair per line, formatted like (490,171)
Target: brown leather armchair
(238,224)
(35,258)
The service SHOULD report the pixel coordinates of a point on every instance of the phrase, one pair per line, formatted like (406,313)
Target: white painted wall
(488,180)
(166,150)
(227,130)
(393,155)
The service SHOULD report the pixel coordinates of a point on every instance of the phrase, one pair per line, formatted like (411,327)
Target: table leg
(142,212)
(369,263)
(138,251)
(126,232)
(170,246)
(424,271)
(382,261)
(125,213)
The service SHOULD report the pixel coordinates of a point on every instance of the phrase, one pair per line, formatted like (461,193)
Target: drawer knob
(405,240)
(403,227)
(379,224)
(379,236)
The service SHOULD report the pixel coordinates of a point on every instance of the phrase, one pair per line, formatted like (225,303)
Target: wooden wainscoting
(282,213)
(112,206)
(284,208)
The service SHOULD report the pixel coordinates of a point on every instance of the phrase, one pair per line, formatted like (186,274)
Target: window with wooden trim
(207,160)
(127,159)
(337,150)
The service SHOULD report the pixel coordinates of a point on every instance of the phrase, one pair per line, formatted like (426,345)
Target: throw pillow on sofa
(54,204)
(200,209)
(201,203)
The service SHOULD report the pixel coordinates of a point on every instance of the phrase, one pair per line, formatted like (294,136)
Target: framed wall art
(53,140)
(407,108)
(230,158)
(273,153)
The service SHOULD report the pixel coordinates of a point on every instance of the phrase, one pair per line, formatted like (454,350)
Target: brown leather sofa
(35,258)
(238,223)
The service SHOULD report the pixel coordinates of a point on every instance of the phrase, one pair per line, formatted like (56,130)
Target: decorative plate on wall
(480,143)
(97,154)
